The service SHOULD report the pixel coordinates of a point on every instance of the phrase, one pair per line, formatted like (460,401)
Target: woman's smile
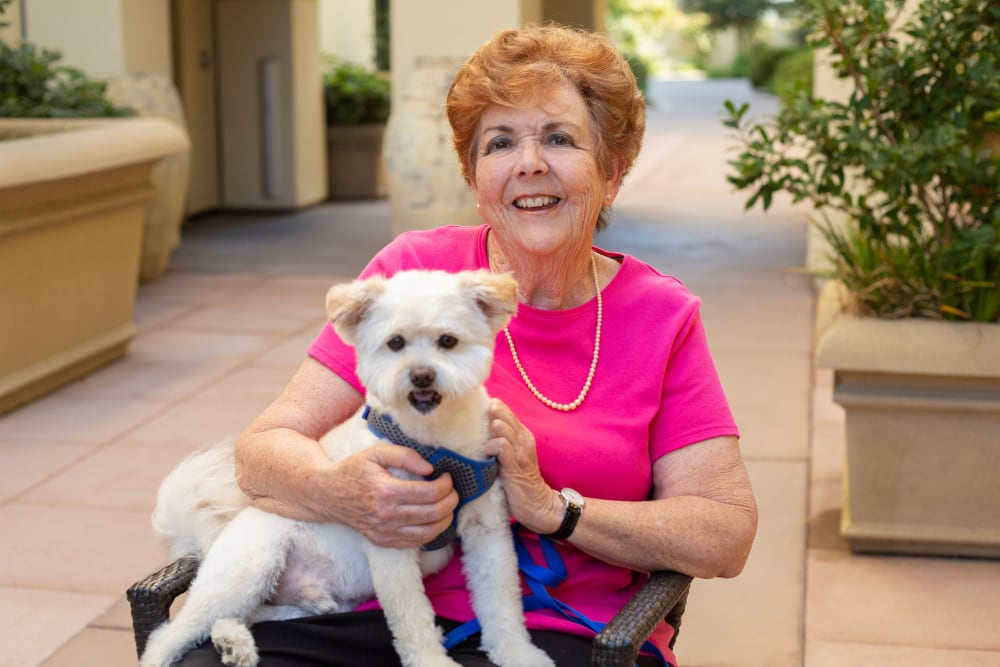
(535,203)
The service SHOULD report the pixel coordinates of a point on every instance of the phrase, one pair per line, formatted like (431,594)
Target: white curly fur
(259,566)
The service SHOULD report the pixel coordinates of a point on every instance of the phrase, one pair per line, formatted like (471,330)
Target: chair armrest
(664,596)
(151,598)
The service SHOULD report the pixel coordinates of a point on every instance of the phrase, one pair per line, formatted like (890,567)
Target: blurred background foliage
(760,40)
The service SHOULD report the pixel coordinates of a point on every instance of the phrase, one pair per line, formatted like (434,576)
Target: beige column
(423,176)
(270,104)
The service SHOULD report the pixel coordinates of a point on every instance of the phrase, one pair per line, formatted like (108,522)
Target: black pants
(362,639)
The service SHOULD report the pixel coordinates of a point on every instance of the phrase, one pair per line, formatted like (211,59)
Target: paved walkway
(222,332)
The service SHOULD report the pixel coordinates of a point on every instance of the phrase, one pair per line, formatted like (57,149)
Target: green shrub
(910,160)
(354,94)
(792,73)
(761,63)
(640,70)
(34,85)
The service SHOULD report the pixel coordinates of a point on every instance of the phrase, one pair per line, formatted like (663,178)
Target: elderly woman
(608,419)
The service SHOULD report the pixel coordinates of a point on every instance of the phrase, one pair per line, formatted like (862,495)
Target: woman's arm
(702,520)
(282,467)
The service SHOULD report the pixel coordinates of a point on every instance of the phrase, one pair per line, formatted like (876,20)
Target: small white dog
(424,342)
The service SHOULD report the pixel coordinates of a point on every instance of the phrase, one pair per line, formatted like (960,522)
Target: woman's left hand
(532,501)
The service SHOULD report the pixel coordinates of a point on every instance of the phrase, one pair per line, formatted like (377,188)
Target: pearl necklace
(566,407)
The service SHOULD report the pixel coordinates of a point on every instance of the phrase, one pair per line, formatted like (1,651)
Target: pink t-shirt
(655,390)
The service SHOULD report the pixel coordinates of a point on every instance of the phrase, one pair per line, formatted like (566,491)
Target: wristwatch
(574,508)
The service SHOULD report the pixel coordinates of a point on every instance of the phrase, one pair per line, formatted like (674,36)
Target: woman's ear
(613,183)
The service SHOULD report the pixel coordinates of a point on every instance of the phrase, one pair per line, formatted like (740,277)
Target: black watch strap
(574,508)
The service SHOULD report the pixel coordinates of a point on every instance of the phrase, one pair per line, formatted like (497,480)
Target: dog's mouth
(424,400)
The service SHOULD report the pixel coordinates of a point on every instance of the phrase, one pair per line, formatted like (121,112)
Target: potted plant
(34,85)
(73,197)
(357,109)
(904,177)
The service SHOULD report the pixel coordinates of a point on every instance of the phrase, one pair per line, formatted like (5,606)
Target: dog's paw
(163,648)
(431,654)
(520,654)
(234,643)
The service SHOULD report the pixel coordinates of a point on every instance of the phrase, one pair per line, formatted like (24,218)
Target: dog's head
(423,337)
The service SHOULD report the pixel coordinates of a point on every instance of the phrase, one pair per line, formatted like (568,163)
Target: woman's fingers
(395,512)
(529,497)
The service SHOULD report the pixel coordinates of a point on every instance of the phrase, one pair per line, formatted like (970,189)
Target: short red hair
(514,64)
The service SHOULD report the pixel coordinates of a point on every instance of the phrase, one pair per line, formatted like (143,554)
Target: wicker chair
(663,596)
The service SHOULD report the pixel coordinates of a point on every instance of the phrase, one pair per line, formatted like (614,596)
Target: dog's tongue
(424,396)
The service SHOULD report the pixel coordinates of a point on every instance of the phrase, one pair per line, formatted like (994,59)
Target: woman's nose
(530,160)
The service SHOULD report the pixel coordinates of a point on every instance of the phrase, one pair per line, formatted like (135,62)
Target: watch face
(572,497)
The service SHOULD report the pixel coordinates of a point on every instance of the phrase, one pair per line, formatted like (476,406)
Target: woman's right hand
(388,510)
(281,465)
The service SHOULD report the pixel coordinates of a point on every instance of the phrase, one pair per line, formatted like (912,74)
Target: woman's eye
(447,342)
(497,144)
(396,343)
(560,140)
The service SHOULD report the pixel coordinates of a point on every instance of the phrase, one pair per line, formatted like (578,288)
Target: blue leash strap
(539,578)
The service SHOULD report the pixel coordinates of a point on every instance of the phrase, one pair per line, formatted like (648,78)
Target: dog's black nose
(422,377)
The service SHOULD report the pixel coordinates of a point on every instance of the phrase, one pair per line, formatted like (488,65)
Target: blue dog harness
(471,478)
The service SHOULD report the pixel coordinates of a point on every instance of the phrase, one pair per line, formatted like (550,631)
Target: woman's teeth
(535,202)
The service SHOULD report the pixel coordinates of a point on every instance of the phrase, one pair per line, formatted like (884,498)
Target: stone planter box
(72,206)
(922,406)
(164,210)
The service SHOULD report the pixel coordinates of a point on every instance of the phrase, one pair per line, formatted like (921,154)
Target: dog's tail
(196,500)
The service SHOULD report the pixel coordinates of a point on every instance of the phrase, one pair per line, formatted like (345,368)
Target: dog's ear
(495,294)
(347,304)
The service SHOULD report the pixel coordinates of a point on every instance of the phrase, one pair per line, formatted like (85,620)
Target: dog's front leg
(490,566)
(399,587)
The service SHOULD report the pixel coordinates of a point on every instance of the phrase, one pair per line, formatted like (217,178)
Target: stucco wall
(347,30)
(417,30)
(103,37)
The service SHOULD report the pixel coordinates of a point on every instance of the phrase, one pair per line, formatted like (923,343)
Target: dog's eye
(447,342)
(396,343)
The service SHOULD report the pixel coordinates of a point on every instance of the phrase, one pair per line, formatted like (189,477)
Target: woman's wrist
(550,513)
(572,503)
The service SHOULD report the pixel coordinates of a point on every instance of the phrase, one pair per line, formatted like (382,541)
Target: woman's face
(537,180)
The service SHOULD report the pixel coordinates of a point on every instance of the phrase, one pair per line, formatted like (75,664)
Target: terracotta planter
(922,406)
(354,162)
(72,209)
